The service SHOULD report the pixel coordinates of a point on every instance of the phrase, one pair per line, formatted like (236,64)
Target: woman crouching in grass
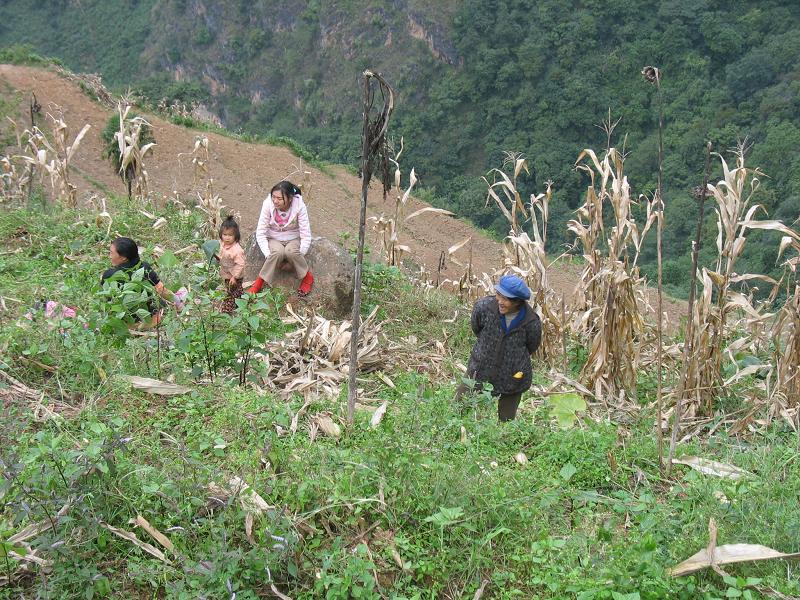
(509,332)
(125,261)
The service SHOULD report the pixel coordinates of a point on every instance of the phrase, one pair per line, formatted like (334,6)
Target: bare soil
(243,173)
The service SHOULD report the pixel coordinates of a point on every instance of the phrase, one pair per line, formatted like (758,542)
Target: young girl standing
(231,263)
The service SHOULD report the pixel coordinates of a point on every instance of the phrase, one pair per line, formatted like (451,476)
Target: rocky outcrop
(333,272)
(435,38)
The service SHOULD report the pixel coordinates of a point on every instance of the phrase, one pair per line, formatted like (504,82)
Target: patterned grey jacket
(497,355)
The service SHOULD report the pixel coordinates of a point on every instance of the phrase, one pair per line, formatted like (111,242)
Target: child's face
(228,237)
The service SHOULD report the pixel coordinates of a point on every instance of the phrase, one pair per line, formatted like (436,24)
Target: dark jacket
(497,355)
(128,269)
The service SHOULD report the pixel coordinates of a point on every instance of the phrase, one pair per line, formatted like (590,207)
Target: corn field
(389,229)
(606,313)
(42,158)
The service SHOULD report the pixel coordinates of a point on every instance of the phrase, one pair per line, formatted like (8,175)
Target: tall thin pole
(659,236)
(688,344)
(372,142)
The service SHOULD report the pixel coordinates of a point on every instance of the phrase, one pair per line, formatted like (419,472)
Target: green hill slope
(473,78)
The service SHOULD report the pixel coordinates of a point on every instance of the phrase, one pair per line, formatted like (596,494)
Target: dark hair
(288,189)
(126,248)
(230,224)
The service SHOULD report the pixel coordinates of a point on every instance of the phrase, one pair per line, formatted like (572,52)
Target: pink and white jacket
(296,226)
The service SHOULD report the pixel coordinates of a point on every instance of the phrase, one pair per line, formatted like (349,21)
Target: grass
(405,510)
(24,54)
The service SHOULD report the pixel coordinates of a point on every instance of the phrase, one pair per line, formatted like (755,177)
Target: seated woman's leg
(297,260)
(277,254)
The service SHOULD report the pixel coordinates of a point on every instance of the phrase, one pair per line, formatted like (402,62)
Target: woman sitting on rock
(284,235)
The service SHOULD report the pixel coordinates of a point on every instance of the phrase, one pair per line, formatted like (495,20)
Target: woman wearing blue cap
(509,332)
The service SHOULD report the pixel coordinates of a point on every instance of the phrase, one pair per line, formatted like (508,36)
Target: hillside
(215,455)
(474,79)
(243,173)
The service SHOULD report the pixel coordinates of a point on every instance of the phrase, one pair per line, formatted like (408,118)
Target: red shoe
(305,285)
(256,287)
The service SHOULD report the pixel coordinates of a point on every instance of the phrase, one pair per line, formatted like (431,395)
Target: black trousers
(507,404)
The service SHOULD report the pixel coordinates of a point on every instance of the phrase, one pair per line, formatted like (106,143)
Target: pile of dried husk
(314,357)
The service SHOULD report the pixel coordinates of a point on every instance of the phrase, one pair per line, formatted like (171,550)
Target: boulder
(333,269)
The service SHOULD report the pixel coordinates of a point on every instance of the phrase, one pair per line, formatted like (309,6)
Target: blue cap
(512,286)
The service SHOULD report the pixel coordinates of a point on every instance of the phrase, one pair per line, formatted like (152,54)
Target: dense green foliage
(96,37)
(475,78)
(405,510)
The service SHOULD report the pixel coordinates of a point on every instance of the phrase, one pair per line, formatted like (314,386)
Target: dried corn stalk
(63,153)
(467,284)
(13,181)
(508,186)
(785,332)
(306,185)
(388,228)
(210,204)
(527,257)
(131,153)
(721,308)
(200,158)
(91,81)
(42,157)
(786,335)
(194,110)
(610,288)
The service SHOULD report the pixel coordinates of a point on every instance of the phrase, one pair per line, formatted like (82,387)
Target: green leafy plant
(564,407)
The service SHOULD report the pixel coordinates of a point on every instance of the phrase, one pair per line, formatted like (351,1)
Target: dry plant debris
(313,359)
(154,533)
(714,555)
(157,387)
(93,82)
(42,407)
(712,467)
(131,537)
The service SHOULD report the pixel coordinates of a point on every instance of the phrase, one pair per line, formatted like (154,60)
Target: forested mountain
(474,78)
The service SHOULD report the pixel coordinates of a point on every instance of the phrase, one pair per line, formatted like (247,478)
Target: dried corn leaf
(131,537)
(377,416)
(249,521)
(154,533)
(155,386)
(35,529)
(386,380)
(728,554)
(429,209)
(298,414)
(455,247)
(327,425)
(712,467)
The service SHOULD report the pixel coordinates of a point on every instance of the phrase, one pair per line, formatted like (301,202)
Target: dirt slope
(243,173)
